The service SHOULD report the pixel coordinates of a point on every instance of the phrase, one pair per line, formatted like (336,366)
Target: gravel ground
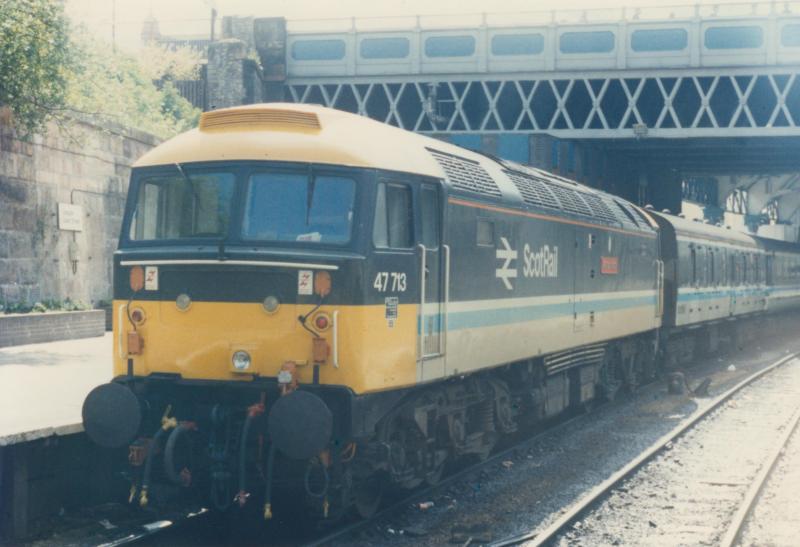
(689,494)
(533,487)
(776,518)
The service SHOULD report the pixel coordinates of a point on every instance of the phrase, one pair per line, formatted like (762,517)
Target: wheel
(368,495)
(433,477)
(610,377)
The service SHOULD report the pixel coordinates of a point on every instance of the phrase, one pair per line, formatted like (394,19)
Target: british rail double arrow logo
(506,272)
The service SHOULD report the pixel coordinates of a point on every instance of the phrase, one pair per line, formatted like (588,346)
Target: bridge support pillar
(269,37)
(232,78)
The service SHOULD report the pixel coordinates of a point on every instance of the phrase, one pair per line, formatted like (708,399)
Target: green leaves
(119,87)
(34,60)
(49,70)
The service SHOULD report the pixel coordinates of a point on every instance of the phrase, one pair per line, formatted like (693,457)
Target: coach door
(433,265)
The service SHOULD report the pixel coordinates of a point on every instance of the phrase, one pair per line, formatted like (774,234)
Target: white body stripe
(261,263)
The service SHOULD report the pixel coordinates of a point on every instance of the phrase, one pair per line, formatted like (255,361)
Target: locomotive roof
(315,134)
(281,131)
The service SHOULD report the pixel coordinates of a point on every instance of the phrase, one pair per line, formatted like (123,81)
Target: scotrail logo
(542,263)
(505,272)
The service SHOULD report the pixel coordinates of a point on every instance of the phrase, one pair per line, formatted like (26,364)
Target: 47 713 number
(390,281)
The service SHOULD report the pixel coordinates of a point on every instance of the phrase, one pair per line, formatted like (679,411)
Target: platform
(42,386)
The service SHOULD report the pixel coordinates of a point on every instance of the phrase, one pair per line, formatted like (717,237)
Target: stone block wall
(87,165)
(34,328)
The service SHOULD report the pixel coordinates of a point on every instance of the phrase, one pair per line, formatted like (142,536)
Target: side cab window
(393,227)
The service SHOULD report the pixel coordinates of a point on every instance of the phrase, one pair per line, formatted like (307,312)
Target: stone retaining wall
(33,328)
(85,165)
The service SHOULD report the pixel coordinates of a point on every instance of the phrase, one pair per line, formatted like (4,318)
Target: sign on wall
(70,217)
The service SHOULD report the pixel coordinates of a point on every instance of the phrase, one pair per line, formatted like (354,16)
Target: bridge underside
(640,134)
(709,155)
(671,104)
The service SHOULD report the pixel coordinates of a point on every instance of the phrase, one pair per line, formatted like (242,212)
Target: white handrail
(336,339)
(421,337)
(119,331)
(443,322)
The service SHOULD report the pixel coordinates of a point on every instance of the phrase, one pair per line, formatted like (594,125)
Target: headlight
(183,301)
(241,360)
(271,304)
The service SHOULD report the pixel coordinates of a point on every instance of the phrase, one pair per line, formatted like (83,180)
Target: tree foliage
(120,87)
(173,63)
(35,58)
(50,70)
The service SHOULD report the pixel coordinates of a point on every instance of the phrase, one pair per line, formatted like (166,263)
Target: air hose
(148,465)
(241,497)
(268,491)
(169,453)
(326,482)
(167,423)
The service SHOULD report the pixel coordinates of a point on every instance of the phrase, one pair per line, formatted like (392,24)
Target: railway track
(749,424)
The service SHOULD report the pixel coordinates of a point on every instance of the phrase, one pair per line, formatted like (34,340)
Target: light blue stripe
(710,295)
(505,316)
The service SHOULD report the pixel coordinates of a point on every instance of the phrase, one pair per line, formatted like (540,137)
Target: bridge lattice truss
(720,103)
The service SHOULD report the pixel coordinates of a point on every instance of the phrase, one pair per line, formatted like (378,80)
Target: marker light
(241,360)
(321,321)
(136,278)
(137,316)
(271,304)
(322,283)
(183,301)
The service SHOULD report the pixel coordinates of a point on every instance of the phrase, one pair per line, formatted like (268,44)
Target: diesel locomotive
(312,301)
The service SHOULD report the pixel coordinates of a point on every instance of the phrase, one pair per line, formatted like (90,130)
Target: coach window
(740,37)
(769,263)
(757,260)
(384,48)
(712,269)
(393,217)
(745,279)
(318,50)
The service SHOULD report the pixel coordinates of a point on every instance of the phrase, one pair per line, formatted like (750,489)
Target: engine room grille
(570,200)
(626,217)
(466,174)
(599,208)
(534,191)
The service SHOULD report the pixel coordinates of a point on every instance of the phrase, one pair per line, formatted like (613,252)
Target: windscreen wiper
(312,182)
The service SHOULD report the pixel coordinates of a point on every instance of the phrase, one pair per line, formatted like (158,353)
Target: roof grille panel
(599,208)
(570,200)
(258,118)
(626,217)
(466,174)
(534,191)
